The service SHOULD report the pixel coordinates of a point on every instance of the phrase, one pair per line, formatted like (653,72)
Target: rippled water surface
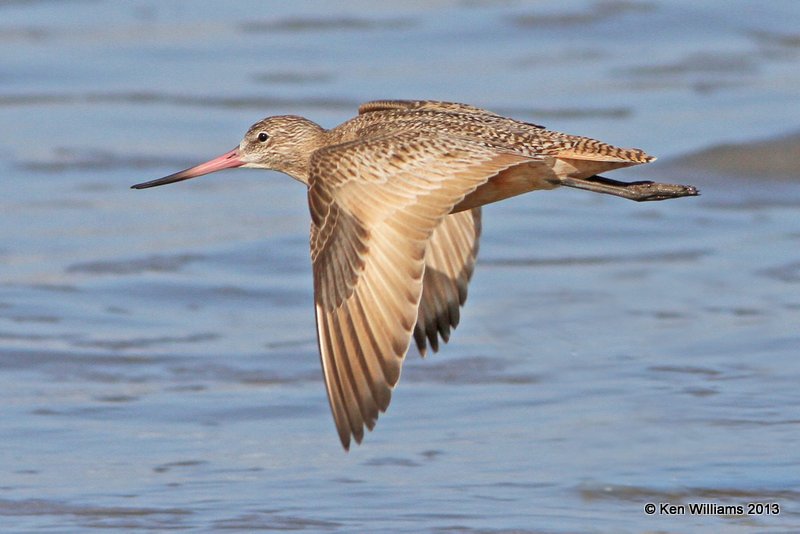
(158,361)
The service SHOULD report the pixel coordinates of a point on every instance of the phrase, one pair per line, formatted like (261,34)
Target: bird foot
(642,191)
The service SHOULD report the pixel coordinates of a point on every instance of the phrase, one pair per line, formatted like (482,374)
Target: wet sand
(770,159)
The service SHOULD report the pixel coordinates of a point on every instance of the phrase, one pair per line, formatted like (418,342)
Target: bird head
(283,143)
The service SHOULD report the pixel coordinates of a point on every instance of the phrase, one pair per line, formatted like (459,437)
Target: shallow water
(158,365)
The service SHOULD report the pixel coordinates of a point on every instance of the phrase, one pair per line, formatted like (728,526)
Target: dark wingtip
(344,438)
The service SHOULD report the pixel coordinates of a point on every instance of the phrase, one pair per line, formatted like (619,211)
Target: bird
(395,196)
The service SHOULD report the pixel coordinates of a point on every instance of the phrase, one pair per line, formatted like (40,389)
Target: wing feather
(375,204)
(433,105)
(449,264)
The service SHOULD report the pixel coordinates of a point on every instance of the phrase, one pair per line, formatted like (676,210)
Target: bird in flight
(395,196)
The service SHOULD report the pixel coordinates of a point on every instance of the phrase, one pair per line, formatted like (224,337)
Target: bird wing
(431,105)
(374,204)
(544,142)
(449,263)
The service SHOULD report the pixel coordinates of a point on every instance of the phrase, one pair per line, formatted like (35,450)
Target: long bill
(228,160)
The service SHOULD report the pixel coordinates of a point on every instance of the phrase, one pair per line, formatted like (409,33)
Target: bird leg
(639,191)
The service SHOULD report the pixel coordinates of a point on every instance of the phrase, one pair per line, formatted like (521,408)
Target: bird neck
(297,163)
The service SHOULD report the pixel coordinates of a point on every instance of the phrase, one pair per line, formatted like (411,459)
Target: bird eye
(263,136)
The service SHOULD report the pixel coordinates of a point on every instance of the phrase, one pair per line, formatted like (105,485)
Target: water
(158,366)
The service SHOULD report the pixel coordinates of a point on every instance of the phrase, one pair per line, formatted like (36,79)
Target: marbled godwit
(395,196)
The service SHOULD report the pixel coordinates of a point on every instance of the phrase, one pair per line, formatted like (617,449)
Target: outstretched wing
(374,204)
(449,263)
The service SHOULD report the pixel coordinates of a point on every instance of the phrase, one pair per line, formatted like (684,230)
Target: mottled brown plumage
(394,196)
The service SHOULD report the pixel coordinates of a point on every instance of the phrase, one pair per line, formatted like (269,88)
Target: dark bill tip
(226,161)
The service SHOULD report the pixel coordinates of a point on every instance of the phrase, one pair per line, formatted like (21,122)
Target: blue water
(158,361)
